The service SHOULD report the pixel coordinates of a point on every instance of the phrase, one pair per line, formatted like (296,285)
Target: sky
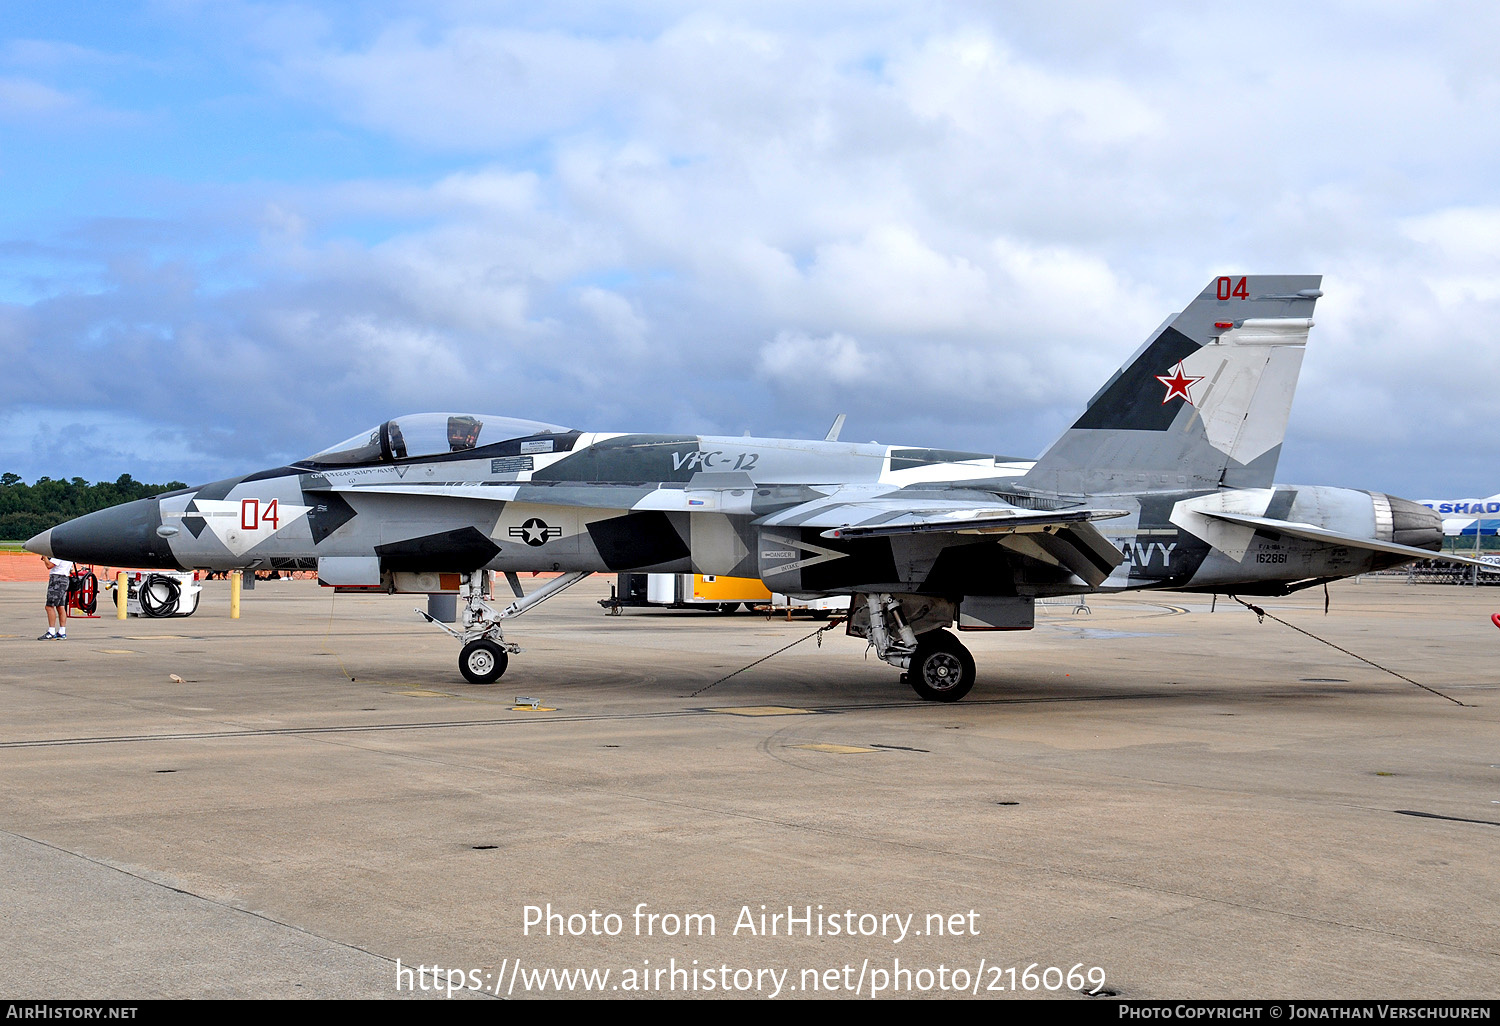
(233,233)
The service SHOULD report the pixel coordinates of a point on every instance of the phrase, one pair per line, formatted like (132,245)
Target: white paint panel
(1249,379)
(1230,539)
(242,527)
(1264,427)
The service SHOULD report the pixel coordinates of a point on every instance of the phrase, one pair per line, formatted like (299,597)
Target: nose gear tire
(482,662)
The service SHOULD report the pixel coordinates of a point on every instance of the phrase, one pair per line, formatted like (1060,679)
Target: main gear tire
(482,662)
(942,670)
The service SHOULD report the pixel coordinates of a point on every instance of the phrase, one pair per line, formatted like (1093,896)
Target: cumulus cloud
(473,88)
(798,361)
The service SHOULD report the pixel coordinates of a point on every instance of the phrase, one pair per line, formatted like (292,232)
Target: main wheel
(482,662)
(941,669)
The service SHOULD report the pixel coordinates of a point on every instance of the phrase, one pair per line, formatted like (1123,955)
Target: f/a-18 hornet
(1165,481)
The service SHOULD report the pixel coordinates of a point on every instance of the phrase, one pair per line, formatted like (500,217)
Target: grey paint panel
(1003,614)
(349,571)
(1258,473)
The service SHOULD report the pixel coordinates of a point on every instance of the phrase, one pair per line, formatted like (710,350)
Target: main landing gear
(906,632)
(486,653)
(941,670)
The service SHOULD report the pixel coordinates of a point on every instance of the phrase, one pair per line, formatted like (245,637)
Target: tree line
(28,509)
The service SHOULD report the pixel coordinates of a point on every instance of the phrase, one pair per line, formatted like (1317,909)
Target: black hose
(153,606)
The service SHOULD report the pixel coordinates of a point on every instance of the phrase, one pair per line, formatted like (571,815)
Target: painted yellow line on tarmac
(419,692)
(119,651)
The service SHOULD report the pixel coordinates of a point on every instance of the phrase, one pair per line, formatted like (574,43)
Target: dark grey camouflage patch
(1132,401)
(1280,506)
(218,489)
(628,459)
(326,513)
(981,568)
(194,525)
(462,551)
(638,540)
(1162,552)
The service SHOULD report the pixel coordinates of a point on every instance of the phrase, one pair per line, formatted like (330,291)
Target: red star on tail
(1178,385)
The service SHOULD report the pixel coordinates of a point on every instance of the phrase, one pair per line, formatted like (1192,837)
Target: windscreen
(429,434)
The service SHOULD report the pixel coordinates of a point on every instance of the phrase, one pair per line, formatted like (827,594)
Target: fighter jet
(1164,481)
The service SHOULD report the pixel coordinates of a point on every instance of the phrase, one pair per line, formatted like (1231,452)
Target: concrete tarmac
(1189,803)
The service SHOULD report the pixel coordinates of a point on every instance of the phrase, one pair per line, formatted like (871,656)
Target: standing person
(57,599)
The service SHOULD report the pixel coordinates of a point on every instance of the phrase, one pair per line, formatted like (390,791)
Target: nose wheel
(482,661)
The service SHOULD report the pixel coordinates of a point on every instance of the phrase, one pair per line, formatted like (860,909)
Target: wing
(1065,537)
(970,521)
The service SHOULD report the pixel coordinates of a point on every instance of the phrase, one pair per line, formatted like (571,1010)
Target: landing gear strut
(906,632)
(486,653)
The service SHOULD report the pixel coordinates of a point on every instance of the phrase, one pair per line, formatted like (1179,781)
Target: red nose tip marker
(1495,619)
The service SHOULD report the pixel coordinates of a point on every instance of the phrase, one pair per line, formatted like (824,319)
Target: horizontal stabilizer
(1311,532)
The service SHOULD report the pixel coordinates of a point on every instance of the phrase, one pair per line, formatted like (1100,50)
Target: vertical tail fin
(1203,403)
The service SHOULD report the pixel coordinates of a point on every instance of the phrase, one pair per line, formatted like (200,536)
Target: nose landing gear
(483,661)
(486,653)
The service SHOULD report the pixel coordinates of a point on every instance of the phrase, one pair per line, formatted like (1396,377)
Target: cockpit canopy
(429,434)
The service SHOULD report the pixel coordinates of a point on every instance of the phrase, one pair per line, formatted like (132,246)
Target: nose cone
(41,544)
(123,535)
(1415,525)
